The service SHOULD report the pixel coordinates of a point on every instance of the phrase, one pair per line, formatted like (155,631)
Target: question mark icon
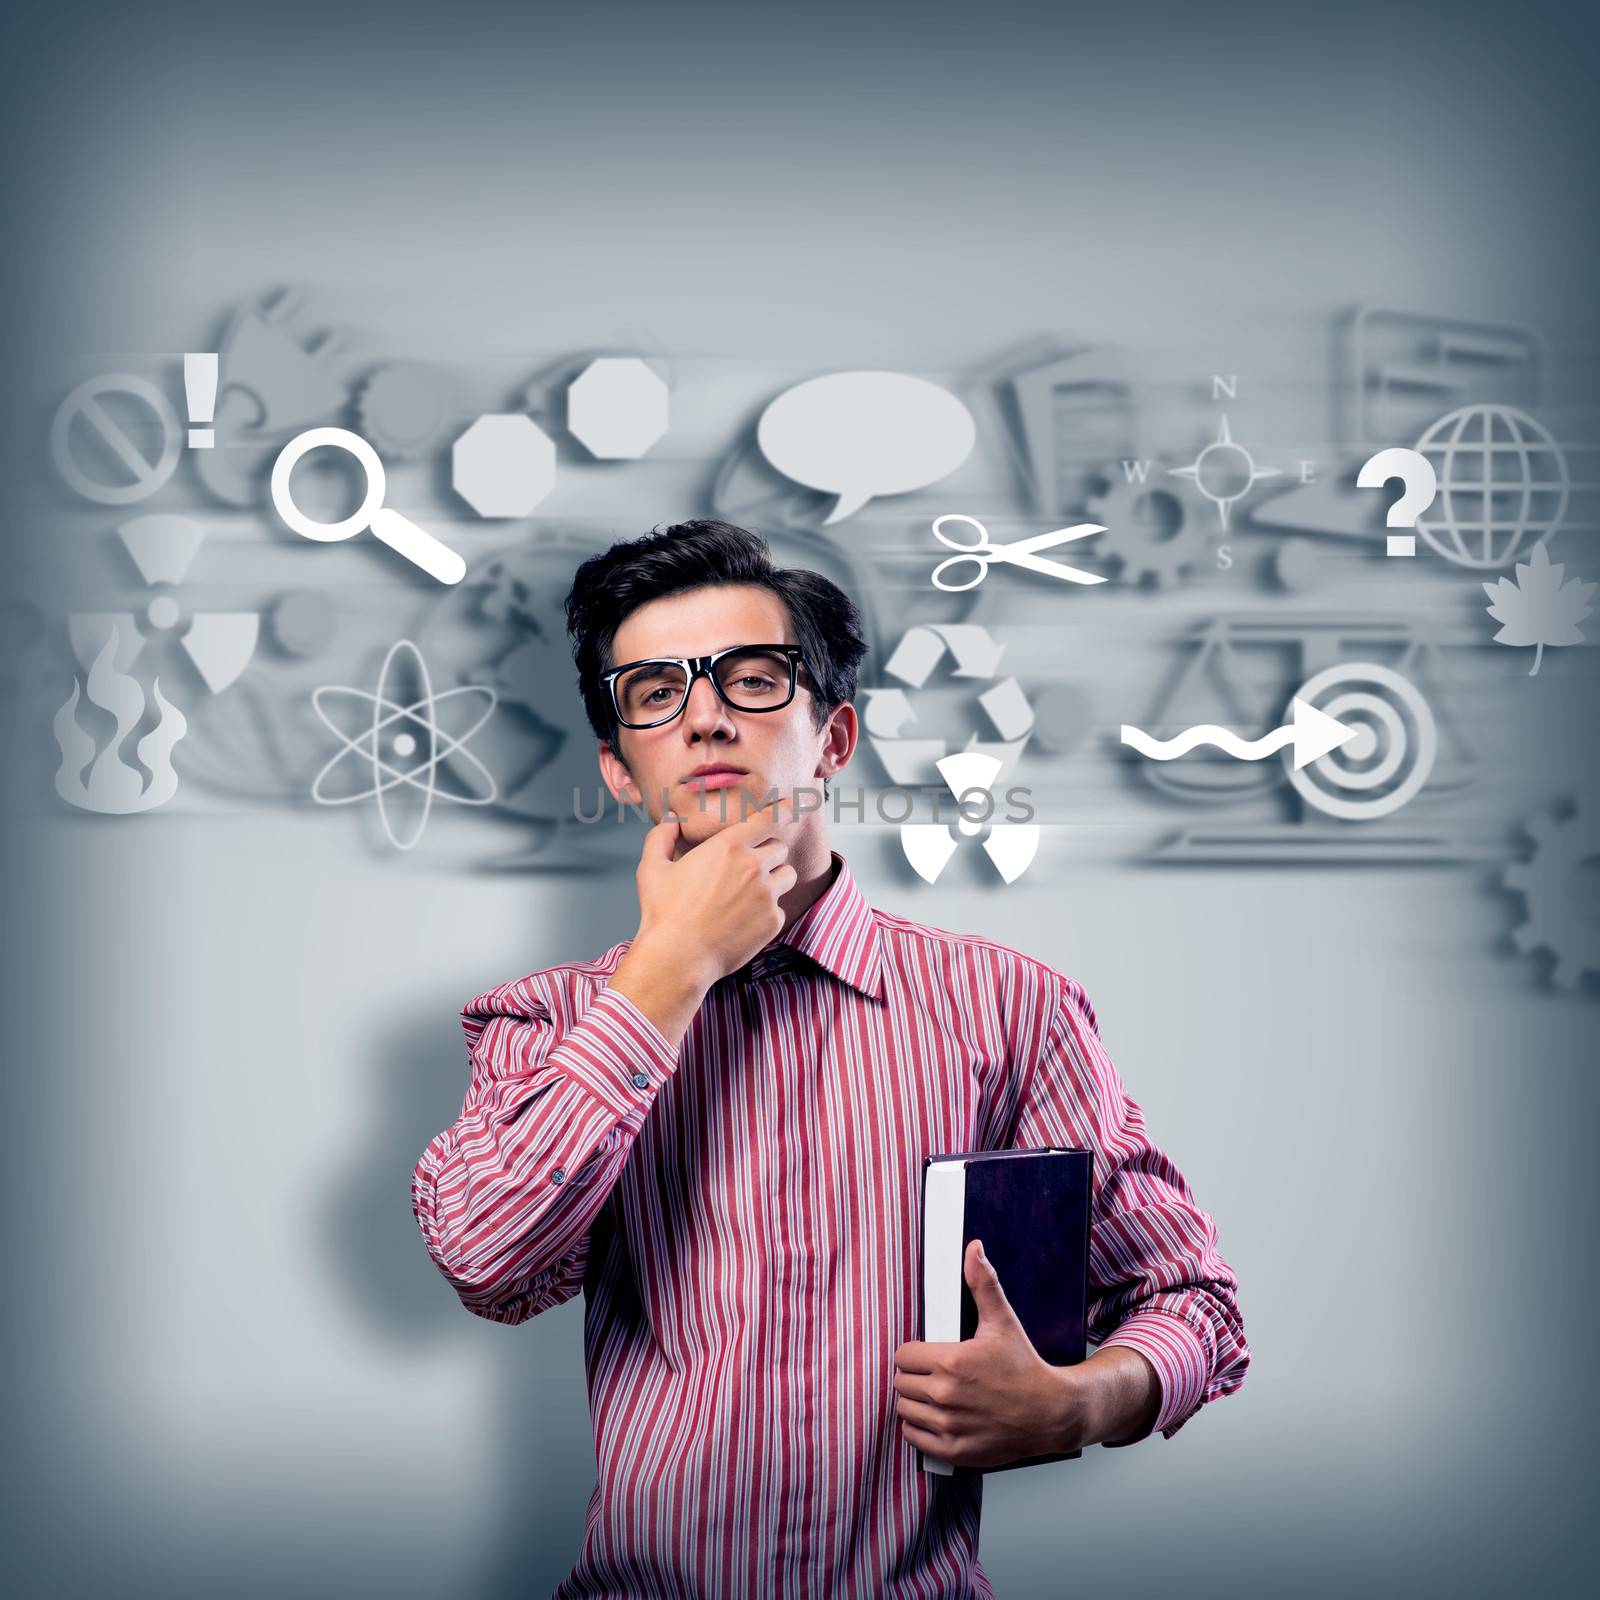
(1421,483)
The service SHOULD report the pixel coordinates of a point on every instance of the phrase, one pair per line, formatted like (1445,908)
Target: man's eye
(754,679)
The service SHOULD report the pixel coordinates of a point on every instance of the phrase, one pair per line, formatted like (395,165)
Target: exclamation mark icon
(200,388)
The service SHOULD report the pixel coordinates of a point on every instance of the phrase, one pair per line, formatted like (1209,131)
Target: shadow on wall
(537,1431)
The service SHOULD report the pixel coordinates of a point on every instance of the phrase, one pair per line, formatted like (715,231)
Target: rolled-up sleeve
(505,1196)
(1158,1283)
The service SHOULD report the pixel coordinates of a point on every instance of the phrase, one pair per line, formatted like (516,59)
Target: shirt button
(558,1175)
(641,1080)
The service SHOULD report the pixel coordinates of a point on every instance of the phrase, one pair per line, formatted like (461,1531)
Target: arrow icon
(1312,733)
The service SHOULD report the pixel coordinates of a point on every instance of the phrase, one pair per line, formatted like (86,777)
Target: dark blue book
(1031,1209)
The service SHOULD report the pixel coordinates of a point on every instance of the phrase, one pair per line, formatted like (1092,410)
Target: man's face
(782,750)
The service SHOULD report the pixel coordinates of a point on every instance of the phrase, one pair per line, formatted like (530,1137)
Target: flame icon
(111,785)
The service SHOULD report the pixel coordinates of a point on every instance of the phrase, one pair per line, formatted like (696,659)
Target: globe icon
(1502,485)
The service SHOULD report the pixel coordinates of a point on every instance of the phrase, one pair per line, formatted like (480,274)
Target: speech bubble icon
(861,434)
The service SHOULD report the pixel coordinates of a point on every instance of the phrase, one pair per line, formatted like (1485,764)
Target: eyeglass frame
(700,667)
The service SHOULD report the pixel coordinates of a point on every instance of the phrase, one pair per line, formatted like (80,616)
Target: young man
(716,1130)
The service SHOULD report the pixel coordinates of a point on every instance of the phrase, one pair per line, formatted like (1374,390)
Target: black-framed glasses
(748,677)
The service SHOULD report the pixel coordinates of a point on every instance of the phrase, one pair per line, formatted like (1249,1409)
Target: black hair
(696,555)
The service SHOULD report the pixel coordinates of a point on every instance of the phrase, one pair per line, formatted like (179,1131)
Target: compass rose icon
(1224,472)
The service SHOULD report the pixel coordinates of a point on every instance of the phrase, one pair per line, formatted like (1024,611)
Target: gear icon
(1151,530)
(404,409)
(1549,882)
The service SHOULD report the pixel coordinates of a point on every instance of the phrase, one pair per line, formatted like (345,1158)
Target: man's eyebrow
(684,655)
(690,655)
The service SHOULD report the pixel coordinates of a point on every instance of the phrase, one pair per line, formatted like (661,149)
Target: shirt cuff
(616,1053)
(1181,1361)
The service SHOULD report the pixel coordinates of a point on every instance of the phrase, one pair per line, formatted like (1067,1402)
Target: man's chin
(708,811)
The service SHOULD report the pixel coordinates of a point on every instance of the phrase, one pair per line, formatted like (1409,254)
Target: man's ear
(617,777)
(839,736)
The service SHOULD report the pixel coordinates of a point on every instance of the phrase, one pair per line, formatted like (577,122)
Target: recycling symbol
(977,767)
(889,711)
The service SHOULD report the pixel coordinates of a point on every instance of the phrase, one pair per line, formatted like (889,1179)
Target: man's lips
(716,775)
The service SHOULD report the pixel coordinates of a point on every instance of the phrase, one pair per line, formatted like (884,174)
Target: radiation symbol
(162,548)
(1011,846)
(1389,760)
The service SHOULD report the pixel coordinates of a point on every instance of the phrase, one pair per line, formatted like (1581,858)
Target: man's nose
(706,716)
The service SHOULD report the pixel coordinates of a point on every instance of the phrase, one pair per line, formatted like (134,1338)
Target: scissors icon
(983,553)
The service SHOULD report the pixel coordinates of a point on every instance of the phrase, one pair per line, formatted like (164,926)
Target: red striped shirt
(743,1216)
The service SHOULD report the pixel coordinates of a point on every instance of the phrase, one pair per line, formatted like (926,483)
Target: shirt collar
(839,931)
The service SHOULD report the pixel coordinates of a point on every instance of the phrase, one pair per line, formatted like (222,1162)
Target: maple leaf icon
(1539,608)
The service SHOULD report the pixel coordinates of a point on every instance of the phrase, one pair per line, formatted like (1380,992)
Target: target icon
(1390,758)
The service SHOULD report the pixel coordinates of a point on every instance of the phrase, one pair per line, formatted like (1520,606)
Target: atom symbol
(1224,472)
(369,746)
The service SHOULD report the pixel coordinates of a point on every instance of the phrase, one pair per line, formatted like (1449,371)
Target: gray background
(233,1025)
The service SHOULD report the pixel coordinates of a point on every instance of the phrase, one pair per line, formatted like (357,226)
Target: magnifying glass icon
(436,559)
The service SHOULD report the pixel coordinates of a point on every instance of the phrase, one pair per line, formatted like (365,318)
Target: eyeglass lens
(752,680)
